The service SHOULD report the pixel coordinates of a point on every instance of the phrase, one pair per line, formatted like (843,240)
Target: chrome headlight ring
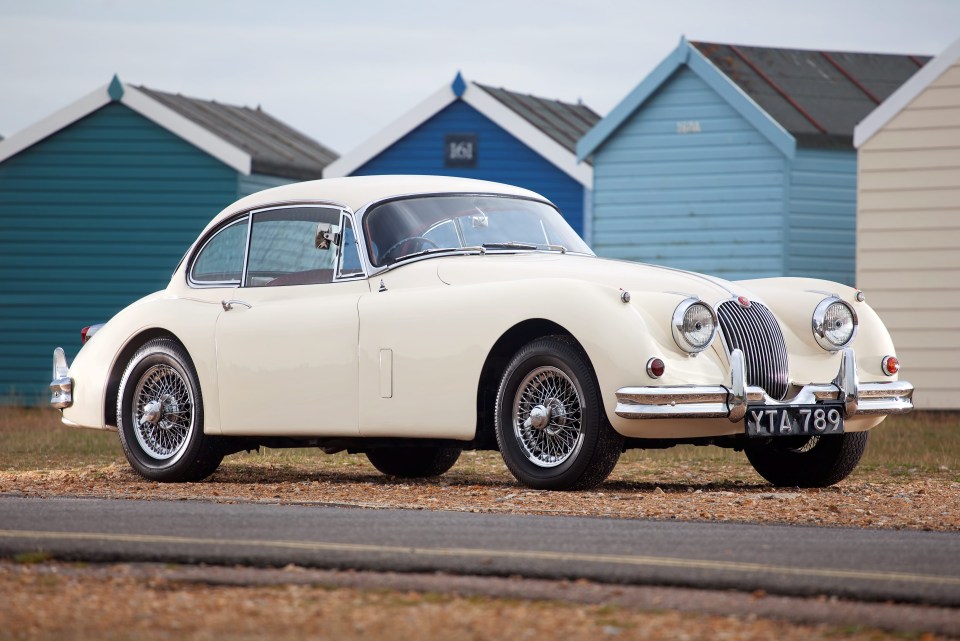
(834,324)
(694,325)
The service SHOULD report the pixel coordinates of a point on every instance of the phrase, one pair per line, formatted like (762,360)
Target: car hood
(636,278)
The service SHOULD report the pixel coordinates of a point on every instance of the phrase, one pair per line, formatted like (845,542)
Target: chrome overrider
(61,388)
(730,401)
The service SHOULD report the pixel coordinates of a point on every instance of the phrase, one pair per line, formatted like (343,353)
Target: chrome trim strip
(716,401)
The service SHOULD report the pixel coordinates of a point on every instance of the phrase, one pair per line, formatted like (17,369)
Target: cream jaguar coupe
(410,318)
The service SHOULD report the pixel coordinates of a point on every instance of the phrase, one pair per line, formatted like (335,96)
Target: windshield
(402,228)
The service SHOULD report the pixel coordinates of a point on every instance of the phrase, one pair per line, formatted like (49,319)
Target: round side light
(655,368)
(890,365)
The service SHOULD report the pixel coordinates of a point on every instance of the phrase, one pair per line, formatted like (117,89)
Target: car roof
(355,192)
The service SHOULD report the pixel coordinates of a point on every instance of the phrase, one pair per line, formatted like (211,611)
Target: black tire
(803,462)
(413,462)
(160,416)
(551,428)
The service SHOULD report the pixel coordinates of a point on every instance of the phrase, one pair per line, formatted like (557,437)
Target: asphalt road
(919,567)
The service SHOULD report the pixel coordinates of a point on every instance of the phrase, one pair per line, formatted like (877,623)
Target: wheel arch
(496,362)
(120,364)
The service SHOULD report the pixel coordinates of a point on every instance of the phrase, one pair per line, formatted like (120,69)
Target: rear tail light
(87,332)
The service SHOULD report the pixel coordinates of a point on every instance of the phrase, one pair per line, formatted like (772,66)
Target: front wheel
(551,428)
(160,416)
(810,461)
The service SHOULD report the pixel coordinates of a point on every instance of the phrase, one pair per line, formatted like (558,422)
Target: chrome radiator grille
(755,331)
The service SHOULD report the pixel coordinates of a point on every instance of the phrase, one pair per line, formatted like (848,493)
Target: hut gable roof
(793,96)
(248,140)
(818,96)
(549,127)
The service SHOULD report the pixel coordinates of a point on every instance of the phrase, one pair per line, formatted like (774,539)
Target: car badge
(744,302)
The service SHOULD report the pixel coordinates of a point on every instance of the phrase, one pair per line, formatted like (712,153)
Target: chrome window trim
(362,212)
(676,325)
(818,319)
(194,251)
(338,277)
(343,211)
(212,284)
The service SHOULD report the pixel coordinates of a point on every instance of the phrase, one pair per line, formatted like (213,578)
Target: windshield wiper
(509,245)
(515,245)
(436,250)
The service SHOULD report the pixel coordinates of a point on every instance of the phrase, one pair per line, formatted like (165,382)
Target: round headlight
(834,324)
(694,325)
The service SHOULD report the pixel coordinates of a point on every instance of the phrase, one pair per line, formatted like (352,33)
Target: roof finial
(459,85)
(115,90)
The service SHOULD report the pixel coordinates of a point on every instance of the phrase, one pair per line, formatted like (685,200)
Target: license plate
(794,420)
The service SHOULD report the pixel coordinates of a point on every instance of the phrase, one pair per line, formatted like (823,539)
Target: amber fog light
(890,365)
(656,368)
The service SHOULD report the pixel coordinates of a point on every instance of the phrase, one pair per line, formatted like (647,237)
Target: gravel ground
(55,601)
(479,483)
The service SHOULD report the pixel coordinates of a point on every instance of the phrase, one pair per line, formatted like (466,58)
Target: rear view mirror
(326,236)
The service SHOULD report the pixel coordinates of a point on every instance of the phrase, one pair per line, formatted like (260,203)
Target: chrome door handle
(228,304)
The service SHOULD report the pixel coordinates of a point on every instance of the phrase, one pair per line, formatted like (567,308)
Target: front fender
(793,301)
(103,358)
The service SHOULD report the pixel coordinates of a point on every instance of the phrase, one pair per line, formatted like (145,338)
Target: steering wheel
(420,241)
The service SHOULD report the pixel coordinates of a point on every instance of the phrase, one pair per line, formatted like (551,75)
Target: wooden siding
(500,157)
(253,183)
(822,218)
(91,219)
(908,237)
(709,200)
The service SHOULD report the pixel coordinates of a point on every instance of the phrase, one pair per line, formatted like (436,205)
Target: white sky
(341,71)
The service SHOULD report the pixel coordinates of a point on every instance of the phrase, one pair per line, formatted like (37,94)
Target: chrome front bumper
(720,401)
(61,387)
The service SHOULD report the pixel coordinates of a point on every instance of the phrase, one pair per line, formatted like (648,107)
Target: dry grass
(34,439)
(50,602)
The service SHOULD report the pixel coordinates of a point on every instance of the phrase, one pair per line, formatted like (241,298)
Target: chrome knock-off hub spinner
(539,418)
(152,412)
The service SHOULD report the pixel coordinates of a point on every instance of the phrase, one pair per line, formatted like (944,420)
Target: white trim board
(373,146)
(142,104)
(500,114)
(905,94)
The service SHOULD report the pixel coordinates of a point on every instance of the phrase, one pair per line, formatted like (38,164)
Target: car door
(287,340)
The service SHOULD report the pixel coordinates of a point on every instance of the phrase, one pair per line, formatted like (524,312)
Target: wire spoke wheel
(548,417)
(160,416)
(163,412)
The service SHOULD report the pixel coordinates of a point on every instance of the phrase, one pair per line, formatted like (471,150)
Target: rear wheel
(814,461)
(551,428)
(160,416)
(414,462)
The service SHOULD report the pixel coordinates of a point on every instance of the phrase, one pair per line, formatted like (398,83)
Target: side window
(284,247)
(350,264)
(220,262)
